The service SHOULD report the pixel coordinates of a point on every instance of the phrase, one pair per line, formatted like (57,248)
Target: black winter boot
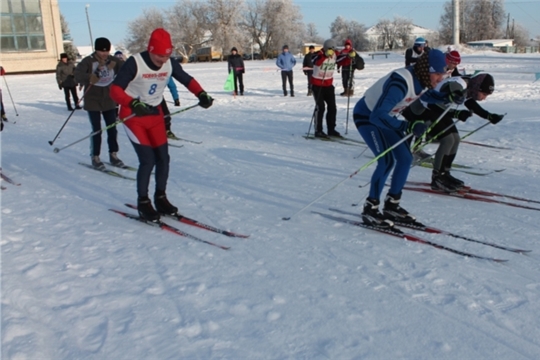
(441,182)
(372,216)
(146,210)
(392,211)
(163,206)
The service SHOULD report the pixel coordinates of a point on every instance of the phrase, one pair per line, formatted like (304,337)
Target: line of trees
(480,20)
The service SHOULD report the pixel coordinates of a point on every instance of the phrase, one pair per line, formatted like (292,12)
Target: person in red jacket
(138,88)
(324,64)
(345,62)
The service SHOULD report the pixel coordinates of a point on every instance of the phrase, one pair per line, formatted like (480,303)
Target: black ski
(429,229)
(8,179)
(125,167)
(336,139)
(185,220)
(107,171)
(167,227)
(406,236)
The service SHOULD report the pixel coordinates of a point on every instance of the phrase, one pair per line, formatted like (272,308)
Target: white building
(417,31)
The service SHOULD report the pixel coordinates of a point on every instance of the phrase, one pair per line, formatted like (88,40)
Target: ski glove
(462,115)
(205,100)
(418,128)
(329,53)
(176,102)
(140,108)
(352,54)
(495,118)
(60,86)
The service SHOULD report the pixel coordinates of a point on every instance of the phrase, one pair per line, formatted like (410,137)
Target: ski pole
(11,97)
(419,140)
(182,110)
(354,173)
(348,99)
(118,122)
(69,117)
(472,132)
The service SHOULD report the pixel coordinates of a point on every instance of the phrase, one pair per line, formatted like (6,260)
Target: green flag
(229,84)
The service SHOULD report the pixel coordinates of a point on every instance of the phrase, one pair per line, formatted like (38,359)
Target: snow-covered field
(80,282)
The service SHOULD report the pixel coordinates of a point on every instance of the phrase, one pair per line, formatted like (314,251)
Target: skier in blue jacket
(375,116)
(286,62)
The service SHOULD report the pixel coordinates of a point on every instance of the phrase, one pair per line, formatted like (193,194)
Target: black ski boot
(458,184)
(146,210)
(392,211)
(372,216)
(163,206)
(441,182)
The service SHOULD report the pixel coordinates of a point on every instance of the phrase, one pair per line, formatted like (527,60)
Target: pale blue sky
(110,18)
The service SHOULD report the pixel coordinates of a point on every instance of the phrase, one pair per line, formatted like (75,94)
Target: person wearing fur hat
(66,80)
(96,72)
(235,63)
(322,81)
(138,89)
(286,62)
(478,88)
(412,54)
(375,116)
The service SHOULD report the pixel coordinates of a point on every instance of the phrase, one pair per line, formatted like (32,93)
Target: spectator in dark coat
(307,66)
(66,80)
(345,61)
(236,65)
(412,54)
(97,72)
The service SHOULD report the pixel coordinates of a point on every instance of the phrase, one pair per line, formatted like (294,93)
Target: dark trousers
(325,97)
(347,76)
(95,141)
(73,91)
(148,158)
(309,74)
(284,76)
(238,81)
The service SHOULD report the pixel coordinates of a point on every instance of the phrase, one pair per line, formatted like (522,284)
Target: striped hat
(453,57)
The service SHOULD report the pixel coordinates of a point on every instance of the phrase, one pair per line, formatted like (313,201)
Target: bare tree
(139,30)
(341,30)
(187,21)
(520,35)
(69,49)
(272,23)
(224,22)
(479,20)
(312,35)
(394,33)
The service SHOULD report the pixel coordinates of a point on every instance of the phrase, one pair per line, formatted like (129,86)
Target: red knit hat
(453,56)
(160,42)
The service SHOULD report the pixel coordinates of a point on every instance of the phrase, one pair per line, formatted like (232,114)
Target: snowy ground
(79,282)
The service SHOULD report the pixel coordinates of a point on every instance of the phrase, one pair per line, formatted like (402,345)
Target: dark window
(22,26)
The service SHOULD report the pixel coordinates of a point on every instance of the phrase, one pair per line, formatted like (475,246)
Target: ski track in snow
(80,282)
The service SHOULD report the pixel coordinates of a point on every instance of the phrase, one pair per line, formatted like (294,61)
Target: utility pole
(455,21)
(89,28)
